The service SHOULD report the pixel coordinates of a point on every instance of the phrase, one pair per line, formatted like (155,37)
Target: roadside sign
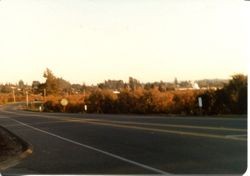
(200,102)
(85,107)
(64,102)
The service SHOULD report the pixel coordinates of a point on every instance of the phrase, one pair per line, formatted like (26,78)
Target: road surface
(127,144)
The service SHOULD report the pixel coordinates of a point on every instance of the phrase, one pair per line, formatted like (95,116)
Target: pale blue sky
(152,40)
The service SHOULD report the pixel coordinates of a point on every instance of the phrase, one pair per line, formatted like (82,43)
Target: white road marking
(242,118)
(95,149)
(173,125)
(127,122)
(38,123)
(237,135)
(92,121)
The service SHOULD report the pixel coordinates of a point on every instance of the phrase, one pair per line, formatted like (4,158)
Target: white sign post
(40,108)
(85,108)
(200,104)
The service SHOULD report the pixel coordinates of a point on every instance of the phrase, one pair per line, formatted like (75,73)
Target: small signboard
(85,107)
(64,102)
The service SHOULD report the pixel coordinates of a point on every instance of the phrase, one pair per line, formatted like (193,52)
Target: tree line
(231,99)
(116,96)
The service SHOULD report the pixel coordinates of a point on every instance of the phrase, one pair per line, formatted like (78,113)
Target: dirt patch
(10,145)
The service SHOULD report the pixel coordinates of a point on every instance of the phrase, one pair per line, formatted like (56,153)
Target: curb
(12,161)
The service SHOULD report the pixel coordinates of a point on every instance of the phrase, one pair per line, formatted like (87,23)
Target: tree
(134,83)
(54,85)
(237,92)
(6,88)
(35,87)
(124,101)
(102,101)
(175,82)
(21,84)
(232,99)
(63,85)
(51,83)
(78,88)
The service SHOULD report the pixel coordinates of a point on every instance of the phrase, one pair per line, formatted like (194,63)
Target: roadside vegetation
(115,96)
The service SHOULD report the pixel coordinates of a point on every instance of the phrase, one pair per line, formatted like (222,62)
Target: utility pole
(44,94)
(13,94)
(27,99)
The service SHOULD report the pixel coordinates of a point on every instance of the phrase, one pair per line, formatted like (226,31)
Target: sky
(89,41)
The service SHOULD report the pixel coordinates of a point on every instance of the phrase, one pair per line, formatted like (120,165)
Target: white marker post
(85,108)
(200,104)
(40,108)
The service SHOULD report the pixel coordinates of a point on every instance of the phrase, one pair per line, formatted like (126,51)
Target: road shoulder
(12,149)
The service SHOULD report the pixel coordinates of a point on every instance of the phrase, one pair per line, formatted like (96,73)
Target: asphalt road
(128,144)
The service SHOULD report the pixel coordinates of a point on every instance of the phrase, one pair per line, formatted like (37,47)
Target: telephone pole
(13,94)
(44,94)
(27,99)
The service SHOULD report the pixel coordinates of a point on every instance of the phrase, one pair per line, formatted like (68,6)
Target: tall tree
(21,84)
(134,83)
(237,91)
(175,82)
(51,83)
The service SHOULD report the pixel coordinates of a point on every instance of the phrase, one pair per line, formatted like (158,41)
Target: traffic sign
(64,102)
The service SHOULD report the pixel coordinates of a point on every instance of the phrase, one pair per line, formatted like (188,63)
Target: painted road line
(171,131)
(37,123)
(172,125)
(177,118)
(179,132)
(154,129)
(95,149)
(135,123)
(237,135)
(103,123)
(243,136)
